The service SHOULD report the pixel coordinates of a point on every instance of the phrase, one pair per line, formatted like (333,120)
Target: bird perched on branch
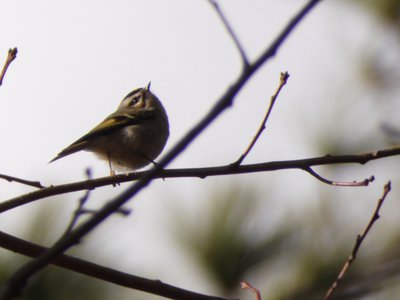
(131,137)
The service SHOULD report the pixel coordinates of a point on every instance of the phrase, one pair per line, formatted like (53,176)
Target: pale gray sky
(78,59)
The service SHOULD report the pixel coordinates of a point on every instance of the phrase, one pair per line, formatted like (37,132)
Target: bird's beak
(148,86)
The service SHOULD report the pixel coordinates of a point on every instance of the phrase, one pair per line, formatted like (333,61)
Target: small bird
(131,137)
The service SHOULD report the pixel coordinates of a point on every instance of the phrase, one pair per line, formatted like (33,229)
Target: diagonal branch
(81,266)
(360,238)
(232,34)
(300,164)
(20,278)
(283,79)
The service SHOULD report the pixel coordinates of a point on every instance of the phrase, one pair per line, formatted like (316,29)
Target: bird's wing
(113,122)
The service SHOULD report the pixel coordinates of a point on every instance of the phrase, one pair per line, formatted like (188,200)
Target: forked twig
(231,33)
(247,285)
(12,54)
(283,79)
(360,238)
(80,210)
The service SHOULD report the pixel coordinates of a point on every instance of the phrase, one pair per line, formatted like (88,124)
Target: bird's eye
(135,100)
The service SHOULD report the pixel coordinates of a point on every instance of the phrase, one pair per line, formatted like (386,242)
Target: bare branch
(283,79)
(77,265)
(12,54)
(301,164)
(365,182)
(232,34)
(36,184)
(20,278)
(360,238)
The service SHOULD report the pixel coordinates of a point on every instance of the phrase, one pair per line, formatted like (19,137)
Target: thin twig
(364,182)
(283,79)
(100,272)
(80,210)
(232,34)
(36,184)
(300,164)
(19,279)
(122,211)
(12,54)
(247,285)
(360,238)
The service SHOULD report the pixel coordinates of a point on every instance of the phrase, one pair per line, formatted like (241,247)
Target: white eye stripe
(134,92)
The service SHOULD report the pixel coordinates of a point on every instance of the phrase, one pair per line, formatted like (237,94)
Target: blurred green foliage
(309,253)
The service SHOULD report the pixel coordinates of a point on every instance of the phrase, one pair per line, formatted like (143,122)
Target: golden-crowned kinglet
(131,137)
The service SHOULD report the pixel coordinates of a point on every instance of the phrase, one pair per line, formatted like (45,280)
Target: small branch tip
(247,285)
(283,79)
(12,54)
(359,240)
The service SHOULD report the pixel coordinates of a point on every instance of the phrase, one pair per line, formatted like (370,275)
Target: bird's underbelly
(130,148)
